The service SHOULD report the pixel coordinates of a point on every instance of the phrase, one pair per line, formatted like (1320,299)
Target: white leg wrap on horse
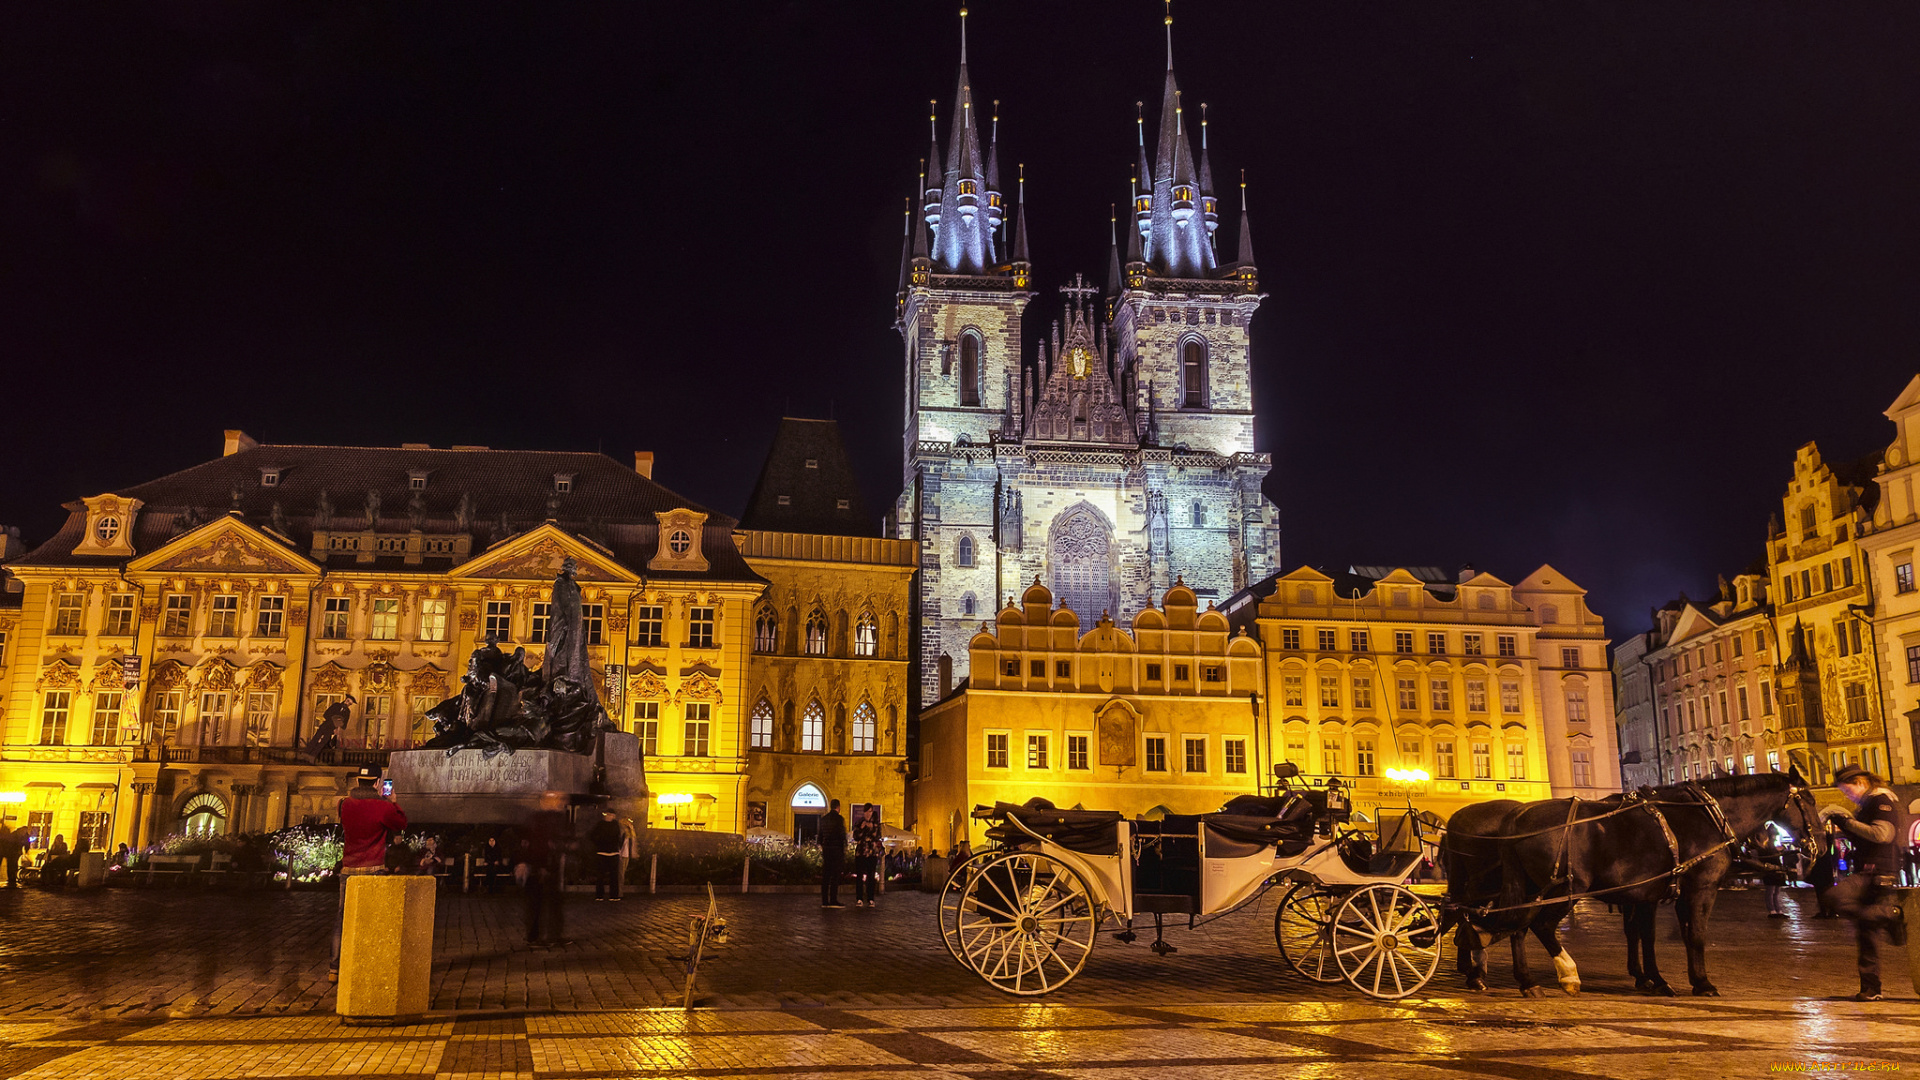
(1568,974)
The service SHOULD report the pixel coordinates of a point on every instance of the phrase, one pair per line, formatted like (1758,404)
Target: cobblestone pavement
(191,983)
(183,952)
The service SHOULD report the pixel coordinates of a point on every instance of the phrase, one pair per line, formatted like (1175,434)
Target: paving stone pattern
(135,954)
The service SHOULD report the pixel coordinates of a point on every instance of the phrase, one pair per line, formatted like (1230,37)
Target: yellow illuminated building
(1888,547)
(827,682)
(1156,719)
(1830,701)
(168,654)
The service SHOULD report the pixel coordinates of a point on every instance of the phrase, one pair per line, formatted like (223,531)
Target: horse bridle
(1801,798)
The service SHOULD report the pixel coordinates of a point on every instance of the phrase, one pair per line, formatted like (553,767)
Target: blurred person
(545,841)
(1864,895)
(367,820)
(607,839)
(869,844)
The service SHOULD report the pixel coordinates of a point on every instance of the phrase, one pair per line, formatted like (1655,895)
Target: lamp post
(1259,773)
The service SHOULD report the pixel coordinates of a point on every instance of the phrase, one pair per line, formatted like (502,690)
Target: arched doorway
(204,815)
(808,804)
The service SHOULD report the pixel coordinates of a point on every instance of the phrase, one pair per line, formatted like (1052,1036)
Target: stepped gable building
(1823,597)
(175,643)
(827,680)
(1120,461)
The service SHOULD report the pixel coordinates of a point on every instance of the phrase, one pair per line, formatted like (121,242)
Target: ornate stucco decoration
(680,541)
(109,526)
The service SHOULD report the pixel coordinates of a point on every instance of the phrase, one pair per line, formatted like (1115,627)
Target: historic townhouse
(1146,721)
(1124,457)
(1635,720)
(1887,547)
(176,642)
(1491,689)
(827,683)
(1830,707)
(1711,668)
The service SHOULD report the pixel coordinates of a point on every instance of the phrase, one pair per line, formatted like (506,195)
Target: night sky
(1558,283)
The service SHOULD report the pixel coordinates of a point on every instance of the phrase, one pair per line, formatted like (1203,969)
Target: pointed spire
(1020,227)
(906,249)
(1140,226)
(993,150)
(1114,281)
(963,243)
(1176,242)
(1246,231)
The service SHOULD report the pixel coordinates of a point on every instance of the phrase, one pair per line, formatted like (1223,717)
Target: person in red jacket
(367,819)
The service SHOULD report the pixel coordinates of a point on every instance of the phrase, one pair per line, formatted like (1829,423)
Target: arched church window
(1079,551)
(763,724)
(766,633)
(866,636)
(1193,374)
(963,552)
(865,729)
(817,634)
(969,370)
(1199,515)
(813,728)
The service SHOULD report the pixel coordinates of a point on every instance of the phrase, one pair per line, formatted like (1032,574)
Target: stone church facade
(1121,458)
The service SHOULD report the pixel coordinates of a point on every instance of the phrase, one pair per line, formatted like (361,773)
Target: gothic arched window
(969,370)
(865,729)
(963,552)
(1079,549)
(817,634)
(1193,375)
(766,632)
(1199,515)
(813,728)
(866,637)
(763,724)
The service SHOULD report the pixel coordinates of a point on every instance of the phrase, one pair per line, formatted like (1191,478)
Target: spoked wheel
(1026,922)
(1386,941)
(953,898)
(1303,928)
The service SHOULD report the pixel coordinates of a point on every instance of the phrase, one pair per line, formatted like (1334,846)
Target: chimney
(237,441)
(1467,573)
(643,463)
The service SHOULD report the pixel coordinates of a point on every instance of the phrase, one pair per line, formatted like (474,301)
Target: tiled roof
(813,493)
(504,492)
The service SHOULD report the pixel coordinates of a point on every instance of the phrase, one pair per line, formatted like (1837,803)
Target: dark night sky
(1549,282)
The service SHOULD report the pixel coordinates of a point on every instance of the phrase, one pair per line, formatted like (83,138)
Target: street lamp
(675,799)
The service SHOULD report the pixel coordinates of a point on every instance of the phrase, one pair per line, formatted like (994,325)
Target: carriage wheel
(1303,928)
(1386,941)
(1025,922)
(953,898)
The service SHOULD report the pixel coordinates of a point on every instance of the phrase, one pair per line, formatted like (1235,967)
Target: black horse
(1638,849)
(1471,851)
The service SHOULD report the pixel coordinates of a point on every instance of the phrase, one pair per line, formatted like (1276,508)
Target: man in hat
(1873,830)
(367,819)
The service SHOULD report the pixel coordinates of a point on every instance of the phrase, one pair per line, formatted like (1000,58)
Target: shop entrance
(809,802)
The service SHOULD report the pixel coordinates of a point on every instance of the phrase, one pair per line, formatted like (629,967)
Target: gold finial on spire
(1179,125)
(1203,125)
(933,119)
(963,33)
(1169,33)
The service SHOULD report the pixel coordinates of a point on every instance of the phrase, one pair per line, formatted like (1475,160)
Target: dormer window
(562,483)
(416,480)
(105,529)
(783,500)
(843,504)
(1142,204)
(993,199)
(967,187)
(269,477)
(813,463)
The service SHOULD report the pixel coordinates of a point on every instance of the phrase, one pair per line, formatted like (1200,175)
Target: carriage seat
(1236,836)
(1089,832)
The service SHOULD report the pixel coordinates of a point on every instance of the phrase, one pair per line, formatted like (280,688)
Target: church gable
(1077,402)
(537,556)
(228,545)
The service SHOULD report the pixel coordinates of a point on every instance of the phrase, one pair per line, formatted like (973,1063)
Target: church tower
(1119,462)
(964,289)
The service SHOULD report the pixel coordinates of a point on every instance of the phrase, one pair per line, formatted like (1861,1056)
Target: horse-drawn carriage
(1024,915)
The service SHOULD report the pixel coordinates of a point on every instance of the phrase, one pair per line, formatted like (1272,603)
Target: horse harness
(1641,799)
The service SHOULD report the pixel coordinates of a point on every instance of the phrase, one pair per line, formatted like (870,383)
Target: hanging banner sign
(130,671)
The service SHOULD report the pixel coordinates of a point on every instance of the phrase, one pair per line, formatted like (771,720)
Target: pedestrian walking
(1863,896)
(12,843)
(833,855)
(868,846)
(367,820)
(545,841)
(606,837)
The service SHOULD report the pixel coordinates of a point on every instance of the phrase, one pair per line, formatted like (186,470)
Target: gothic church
(1121,459)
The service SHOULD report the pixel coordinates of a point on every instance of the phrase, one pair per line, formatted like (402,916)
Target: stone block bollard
(91,871)
(386,949)
(1909,901)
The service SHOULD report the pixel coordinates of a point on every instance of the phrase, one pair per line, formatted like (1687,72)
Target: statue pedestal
(468,789)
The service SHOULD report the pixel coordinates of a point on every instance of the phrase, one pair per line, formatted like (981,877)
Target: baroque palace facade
(166,656)
(1123,458)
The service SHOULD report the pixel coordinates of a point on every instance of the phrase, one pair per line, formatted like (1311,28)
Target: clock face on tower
(1077,363)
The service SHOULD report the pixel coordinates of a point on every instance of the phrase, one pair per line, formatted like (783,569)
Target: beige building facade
(1712,674)
(1888,546)
(1146,720)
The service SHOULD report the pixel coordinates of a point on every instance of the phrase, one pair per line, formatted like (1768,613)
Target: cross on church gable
(1079,292)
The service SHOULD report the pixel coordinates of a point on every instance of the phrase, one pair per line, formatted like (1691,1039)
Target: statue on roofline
(503,706)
